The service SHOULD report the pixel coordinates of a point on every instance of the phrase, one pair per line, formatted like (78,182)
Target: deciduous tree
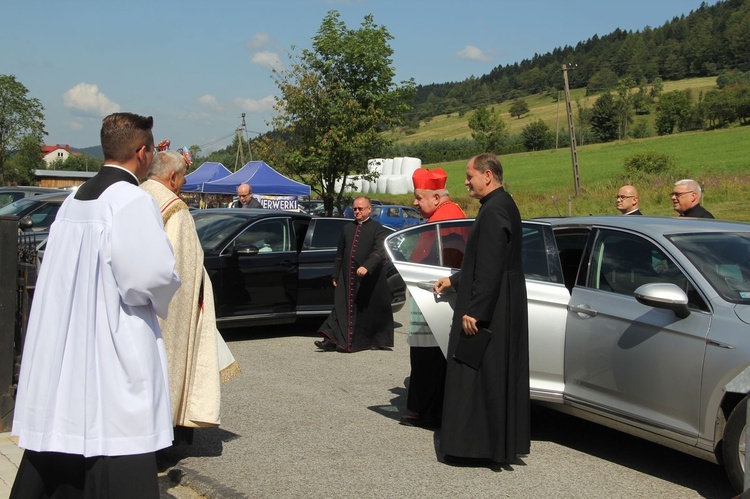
(26,157)
(487,128)
(335,101)
(518,108)
(537,136)
(20,116)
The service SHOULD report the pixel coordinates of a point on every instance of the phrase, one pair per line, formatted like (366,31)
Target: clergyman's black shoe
(326,345)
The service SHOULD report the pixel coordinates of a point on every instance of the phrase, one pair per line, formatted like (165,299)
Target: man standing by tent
(245,193)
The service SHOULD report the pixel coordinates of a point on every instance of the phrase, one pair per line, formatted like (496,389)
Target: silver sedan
(641,324)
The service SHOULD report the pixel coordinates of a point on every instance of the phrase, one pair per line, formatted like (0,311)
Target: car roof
(28,188)
(54,196)
(254,212)
(653,226)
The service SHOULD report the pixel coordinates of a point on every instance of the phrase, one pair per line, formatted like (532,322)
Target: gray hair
(443,193)
(691,185)
(165,163)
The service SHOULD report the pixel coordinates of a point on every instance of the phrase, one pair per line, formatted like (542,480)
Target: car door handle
(583,311)
(426,285)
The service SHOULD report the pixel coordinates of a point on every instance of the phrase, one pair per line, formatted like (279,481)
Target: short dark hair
(487,161)
(123,134)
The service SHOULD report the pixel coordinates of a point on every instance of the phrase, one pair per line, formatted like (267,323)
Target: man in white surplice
(93,394)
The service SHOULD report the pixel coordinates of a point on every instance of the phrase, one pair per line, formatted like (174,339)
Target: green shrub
(649,163)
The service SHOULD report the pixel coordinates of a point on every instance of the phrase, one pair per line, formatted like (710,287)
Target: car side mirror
(243,250)
(25,224)
(664,295)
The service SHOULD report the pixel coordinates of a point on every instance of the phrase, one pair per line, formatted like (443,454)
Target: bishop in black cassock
(362,317)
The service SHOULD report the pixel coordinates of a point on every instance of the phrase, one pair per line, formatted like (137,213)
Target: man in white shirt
(93,394)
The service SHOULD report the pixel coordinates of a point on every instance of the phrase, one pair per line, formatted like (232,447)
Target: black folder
(470,349)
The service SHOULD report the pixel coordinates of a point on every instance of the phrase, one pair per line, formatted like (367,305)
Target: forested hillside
(706,42)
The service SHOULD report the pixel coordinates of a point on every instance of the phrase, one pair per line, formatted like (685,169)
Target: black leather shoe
(326,345)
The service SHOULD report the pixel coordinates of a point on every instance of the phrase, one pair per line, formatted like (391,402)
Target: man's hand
(361,271)
(441,285)
(335,282)
(470,325)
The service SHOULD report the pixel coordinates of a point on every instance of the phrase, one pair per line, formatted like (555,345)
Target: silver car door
(627,360)
(423,254)
(547,299)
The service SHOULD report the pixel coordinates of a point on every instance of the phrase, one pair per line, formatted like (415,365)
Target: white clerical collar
(363,221)
(124,169)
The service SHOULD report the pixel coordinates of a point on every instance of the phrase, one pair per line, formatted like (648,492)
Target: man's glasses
(623,197)
(357,208)
(679,194)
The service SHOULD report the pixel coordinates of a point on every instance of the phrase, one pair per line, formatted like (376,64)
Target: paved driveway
(302,423)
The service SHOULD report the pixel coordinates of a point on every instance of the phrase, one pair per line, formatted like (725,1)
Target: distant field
(544,107)
(542,182)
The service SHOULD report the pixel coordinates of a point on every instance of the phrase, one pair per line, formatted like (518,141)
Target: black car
(36,213)
(271,267)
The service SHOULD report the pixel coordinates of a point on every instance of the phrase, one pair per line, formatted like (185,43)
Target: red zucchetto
(430,180)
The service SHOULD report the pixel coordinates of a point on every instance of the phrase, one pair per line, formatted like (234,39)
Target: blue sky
(197,66)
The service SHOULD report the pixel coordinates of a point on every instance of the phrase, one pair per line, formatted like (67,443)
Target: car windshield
(724,260)
(213,228)
(17,207)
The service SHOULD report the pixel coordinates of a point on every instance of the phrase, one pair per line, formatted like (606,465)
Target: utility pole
(573,152)
(240,156)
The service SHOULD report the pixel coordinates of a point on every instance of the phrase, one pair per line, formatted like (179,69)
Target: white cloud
(267,59)
(472,53)
(75,125)
(88,100)
(258,41)
(208,101)
(254,105)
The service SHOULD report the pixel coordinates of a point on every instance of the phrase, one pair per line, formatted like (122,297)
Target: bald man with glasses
(627,201)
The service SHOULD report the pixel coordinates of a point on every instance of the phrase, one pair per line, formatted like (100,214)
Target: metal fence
(18,270)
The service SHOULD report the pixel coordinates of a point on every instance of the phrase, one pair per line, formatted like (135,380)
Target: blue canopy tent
(206,172)
(262,178)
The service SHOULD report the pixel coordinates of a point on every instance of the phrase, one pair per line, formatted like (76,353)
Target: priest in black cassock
(362,317)
(486,410)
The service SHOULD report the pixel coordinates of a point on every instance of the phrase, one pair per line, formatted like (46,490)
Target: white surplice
(94,374)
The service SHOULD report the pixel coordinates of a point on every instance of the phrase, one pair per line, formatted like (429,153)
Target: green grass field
(544,107)
(542,182)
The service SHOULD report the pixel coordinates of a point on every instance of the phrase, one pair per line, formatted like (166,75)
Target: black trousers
(43,475)
(426,383)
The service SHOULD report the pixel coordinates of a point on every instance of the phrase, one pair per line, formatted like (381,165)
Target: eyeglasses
(357,208)
(679,194)
(623,197)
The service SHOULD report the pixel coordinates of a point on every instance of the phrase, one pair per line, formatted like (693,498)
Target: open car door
(423,254)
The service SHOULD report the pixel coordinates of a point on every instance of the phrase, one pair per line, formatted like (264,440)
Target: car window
(439,244)
(266,235)
(17,207)
(621,262)
(723,259)
(375,211)
(393,213)
(326,233)
(9,197)
(411,214)
(43,217)
(535,263)
(570,245)
(214,228)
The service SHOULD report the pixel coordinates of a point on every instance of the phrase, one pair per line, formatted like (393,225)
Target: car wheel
(733,448)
